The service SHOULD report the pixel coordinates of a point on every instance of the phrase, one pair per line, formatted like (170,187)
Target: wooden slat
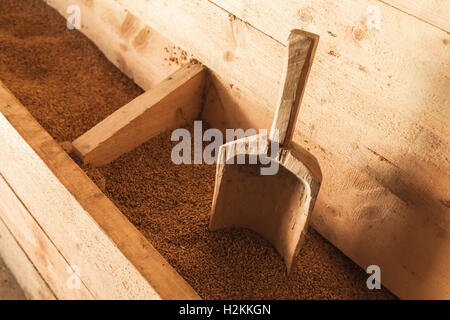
(173,103)
(38,247)
(116,261)
(29,279)
(434,12)
(375,115)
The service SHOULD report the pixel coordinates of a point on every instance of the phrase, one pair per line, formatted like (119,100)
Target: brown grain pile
(69,86)
(58,74)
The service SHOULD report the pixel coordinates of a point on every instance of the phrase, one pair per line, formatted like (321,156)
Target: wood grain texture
(116,261)
(29,279)
(375,115)
(38,247)
(174,103)
(434,12)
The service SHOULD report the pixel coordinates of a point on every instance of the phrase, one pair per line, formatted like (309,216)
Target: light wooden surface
(174,103)
(9,287)
(434,12)
(115,260)
(47,260)
(375,114)
(29,279)
(301,51)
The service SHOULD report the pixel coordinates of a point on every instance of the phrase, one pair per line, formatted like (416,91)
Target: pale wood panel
(172,104)
(434,12)
(375,113)
(45,257)
(22,268)
(381,96)
(117,275)
(404,64)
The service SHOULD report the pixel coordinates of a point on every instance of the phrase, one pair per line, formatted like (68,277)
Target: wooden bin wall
(375,113)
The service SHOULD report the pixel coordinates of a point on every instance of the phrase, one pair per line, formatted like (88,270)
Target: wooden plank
(139,51)
(174,103)
(53,268)
(434,12)
(363,116)
(29,279)
(116,261)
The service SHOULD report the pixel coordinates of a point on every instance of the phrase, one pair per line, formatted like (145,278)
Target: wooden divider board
(114,259)
(175,102)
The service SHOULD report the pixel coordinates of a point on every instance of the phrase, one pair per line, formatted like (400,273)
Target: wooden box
(375,114)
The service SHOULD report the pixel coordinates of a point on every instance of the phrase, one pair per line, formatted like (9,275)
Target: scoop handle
(301,51)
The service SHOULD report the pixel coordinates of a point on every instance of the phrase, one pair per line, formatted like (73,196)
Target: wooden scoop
(276,206)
